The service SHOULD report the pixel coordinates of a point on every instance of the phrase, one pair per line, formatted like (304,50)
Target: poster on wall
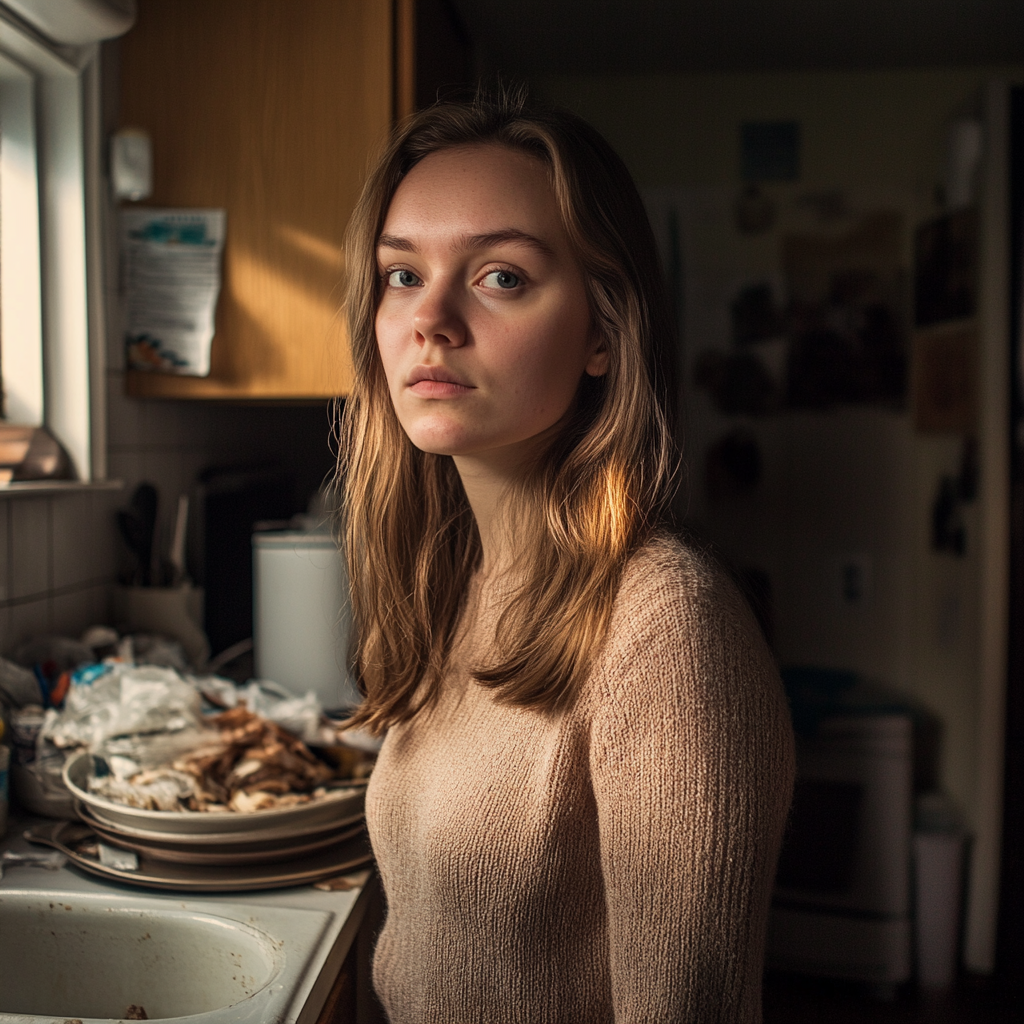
(171,269)
(821,323)
(845,321)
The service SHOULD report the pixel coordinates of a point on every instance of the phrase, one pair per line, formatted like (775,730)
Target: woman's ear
(597,362)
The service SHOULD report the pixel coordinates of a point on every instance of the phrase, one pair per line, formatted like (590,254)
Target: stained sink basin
(83,957)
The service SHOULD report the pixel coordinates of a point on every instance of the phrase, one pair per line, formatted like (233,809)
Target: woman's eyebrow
(394,242)
(504,237)
(467,243)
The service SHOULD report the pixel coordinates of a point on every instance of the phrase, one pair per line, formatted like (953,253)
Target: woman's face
(483,329)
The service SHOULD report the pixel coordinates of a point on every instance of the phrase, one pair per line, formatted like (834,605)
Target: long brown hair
(591,500)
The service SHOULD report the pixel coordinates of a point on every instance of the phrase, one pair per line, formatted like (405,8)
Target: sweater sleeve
(691,762)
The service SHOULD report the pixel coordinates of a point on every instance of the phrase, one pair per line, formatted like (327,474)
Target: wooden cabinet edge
(404,66)
(144,384)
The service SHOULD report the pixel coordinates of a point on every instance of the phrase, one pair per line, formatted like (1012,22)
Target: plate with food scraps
(82,847)
(323,810)
(249,853)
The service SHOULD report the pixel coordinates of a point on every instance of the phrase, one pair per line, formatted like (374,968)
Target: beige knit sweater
(612,863)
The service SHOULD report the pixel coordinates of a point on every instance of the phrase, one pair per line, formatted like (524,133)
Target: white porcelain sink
(88,957)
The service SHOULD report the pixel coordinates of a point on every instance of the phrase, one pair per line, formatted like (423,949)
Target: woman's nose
(437,319)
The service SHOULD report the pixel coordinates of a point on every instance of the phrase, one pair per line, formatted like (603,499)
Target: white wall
(855,480)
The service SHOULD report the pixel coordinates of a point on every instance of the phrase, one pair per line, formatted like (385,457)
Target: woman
(579,801)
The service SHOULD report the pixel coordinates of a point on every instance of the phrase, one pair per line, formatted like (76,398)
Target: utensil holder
(176,612)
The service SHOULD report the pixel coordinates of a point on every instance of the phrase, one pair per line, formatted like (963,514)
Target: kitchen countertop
(312,961)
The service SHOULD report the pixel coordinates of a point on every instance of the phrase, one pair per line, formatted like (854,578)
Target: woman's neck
(487,479)
(485,486)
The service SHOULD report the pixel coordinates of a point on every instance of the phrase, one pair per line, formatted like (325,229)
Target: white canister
(302,617)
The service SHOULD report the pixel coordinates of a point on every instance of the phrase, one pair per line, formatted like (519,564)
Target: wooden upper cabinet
(270,109)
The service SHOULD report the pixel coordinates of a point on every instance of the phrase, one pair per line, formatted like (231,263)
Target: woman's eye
(502,279)
(402,279)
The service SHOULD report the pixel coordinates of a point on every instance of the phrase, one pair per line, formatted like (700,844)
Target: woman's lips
(436,382)
(438,388)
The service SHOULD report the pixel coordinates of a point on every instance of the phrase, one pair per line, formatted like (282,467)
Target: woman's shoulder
(668,574)
(678,610)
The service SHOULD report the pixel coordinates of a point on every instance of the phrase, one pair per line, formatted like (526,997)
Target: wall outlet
(853,579)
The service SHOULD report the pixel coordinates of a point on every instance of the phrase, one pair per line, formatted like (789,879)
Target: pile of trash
(161,737)
(243,763)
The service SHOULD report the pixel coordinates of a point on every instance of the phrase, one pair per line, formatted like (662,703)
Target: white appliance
(842,903)
(302,618)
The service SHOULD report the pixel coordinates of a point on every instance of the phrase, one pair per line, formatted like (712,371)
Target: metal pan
(75,840)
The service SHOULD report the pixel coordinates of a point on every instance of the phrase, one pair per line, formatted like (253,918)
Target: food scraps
(253,765)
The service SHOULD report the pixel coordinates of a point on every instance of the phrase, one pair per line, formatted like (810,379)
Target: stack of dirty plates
(261,849)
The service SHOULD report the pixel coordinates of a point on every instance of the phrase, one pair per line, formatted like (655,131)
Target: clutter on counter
(242,762)
(49,860)
(133,703)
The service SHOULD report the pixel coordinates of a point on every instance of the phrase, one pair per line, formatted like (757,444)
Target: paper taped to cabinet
(171,269)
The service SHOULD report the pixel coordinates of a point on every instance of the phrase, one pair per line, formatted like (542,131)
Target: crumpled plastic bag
(129,754)
(126,700)
(18,686)
(301,716)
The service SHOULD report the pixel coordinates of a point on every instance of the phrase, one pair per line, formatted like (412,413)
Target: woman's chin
(439,434)
(434,444)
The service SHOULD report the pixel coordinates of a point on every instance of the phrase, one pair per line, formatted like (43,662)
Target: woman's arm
(692,769)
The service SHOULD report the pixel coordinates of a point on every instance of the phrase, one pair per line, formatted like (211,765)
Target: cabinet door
(270,109)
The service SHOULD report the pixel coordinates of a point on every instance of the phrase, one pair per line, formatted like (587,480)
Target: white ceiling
(537,37)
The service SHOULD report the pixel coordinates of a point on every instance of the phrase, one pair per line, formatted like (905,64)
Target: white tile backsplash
(127,466)
(75,611)
(173,425)
(73,540)
(28,620)
(31,549)
(56,564)
(104,540)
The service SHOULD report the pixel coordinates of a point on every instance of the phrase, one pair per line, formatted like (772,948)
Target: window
(51,315)
(21,330)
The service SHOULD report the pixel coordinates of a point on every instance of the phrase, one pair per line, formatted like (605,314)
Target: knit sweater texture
(612,862)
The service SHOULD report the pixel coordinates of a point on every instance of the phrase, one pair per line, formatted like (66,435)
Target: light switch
(131,164)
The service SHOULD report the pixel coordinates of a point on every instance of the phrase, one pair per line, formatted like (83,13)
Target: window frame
(59,362)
